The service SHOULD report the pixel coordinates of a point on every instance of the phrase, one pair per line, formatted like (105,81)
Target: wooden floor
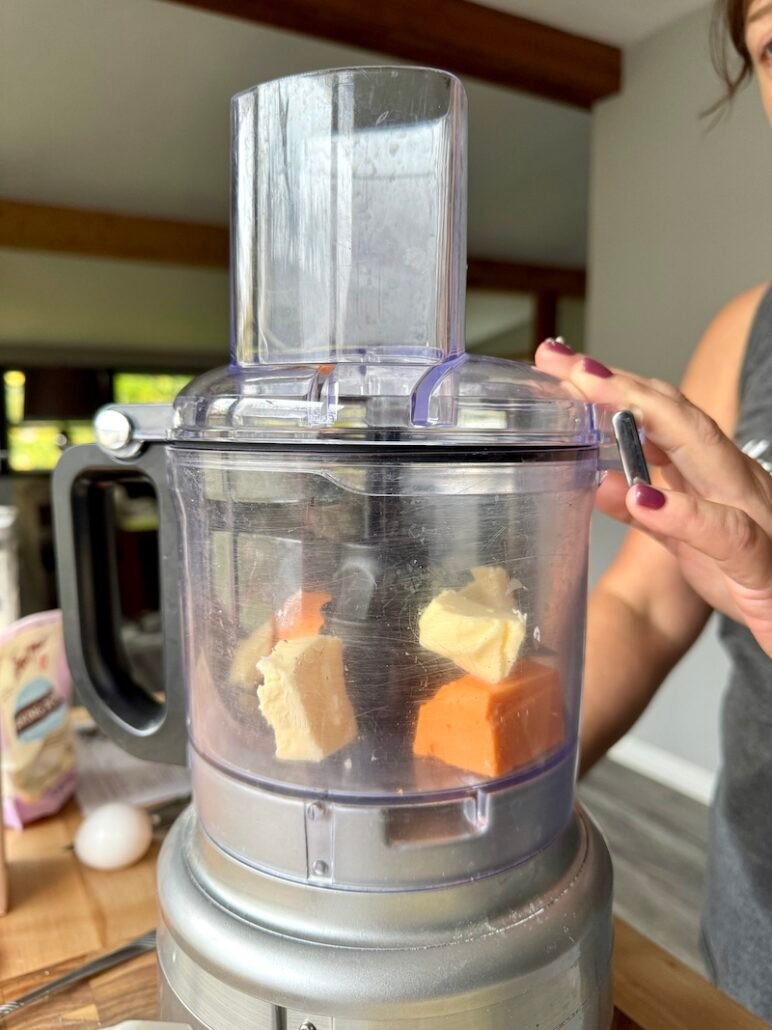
(658,841)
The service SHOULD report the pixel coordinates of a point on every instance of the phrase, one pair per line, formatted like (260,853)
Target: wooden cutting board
(62,914)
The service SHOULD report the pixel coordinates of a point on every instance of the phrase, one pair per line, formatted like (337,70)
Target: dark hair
(727,43)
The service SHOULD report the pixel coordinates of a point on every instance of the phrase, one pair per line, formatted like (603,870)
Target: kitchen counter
(62,913)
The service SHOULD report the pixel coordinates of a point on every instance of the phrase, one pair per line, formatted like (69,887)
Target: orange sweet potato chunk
(301,615)
(493,729)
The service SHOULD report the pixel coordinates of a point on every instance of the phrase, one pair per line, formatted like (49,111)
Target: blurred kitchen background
(601,207)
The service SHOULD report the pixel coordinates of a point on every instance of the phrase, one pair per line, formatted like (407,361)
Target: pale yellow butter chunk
(303,698)
(483,641)
(248,653)
(490,586)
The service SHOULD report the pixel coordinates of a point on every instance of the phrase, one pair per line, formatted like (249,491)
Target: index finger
(692,441)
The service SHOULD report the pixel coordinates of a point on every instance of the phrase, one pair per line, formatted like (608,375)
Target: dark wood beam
(522,278)
(103,234)
(76,354)
(463,37)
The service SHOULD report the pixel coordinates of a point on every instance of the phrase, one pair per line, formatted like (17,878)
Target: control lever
(630,447)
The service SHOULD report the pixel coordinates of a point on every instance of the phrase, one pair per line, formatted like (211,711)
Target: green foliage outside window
(141,388)
(37,446)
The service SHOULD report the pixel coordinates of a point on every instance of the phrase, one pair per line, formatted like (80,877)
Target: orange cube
(491,729)
(301,615)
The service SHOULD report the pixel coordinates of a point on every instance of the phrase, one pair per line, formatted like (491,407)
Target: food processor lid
(348,268)
(467,401)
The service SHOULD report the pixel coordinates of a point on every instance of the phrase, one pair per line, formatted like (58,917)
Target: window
(49,409)
(146,388)
(36,444)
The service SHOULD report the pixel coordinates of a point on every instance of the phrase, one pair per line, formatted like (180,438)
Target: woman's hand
(714,510)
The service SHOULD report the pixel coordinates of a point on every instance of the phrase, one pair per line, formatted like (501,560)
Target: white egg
(113,836)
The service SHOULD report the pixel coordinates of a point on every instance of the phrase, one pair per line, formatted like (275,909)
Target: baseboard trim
(666,768)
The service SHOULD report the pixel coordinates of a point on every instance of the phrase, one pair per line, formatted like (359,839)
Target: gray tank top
(737,924)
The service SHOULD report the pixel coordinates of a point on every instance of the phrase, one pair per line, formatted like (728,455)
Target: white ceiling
(124,106)
(621,22)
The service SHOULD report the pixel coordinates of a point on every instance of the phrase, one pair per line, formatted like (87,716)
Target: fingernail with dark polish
(594,368)
(649,497)
(558,347)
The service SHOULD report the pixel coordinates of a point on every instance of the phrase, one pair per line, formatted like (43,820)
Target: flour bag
(37,750)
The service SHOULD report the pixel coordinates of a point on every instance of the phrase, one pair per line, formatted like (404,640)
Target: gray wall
(679,224)
(679,215)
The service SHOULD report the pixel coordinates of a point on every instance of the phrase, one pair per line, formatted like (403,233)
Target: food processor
(373,562)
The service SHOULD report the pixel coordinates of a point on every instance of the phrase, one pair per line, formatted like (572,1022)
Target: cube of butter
(303,697)
(248,653)
(490,586)
(483,641)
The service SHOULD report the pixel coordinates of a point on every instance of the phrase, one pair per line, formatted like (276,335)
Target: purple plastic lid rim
(427,384)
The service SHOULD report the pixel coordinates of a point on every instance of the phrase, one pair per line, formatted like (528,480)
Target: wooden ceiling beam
(514,277)
(68,230)
(463,37)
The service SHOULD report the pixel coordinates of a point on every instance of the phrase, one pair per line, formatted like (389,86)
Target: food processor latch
(123,432)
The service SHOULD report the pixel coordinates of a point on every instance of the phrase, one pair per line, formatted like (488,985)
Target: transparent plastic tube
(349,218)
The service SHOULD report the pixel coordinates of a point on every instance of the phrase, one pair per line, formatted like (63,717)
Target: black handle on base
(86,569)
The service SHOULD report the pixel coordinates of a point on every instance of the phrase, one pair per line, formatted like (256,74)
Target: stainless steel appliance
(379,547)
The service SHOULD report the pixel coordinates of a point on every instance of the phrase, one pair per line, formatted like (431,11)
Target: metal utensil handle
(163,814)
(98,965)
(630,447)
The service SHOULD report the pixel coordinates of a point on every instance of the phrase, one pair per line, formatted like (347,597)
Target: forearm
(654,599)
(628,657)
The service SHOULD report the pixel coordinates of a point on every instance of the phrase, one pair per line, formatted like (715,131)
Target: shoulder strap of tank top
(759,348)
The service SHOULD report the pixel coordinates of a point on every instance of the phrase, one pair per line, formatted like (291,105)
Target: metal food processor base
(525,949)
